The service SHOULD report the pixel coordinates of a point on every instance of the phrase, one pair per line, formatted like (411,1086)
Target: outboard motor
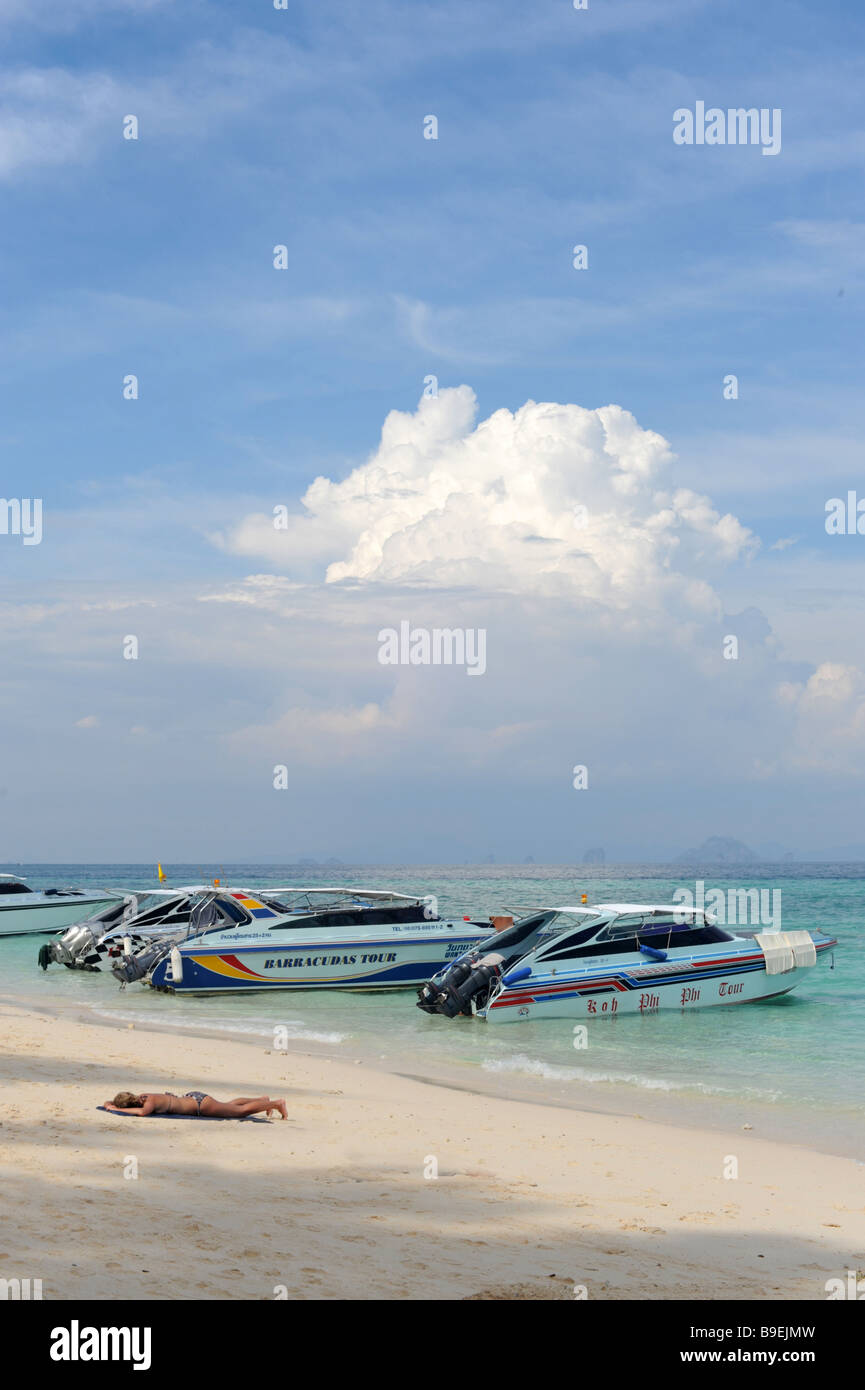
(55,951)
(64,948)
(462,988)
(79,947)
(76,949)
(130,968)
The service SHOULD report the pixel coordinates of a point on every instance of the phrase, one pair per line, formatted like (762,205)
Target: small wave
(294,1028)
(547,1071)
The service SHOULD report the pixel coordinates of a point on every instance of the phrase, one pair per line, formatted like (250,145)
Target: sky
(421,411)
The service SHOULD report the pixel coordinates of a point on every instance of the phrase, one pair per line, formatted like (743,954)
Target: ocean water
(792,1069)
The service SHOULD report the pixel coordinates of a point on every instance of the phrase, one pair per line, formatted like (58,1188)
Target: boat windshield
(157,909)
(627,932)
(531,931)
(695,929)
(302,901)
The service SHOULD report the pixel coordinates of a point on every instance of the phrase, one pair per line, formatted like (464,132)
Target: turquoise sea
(792,1069)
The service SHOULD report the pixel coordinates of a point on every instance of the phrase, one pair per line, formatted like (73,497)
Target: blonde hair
(125,1100)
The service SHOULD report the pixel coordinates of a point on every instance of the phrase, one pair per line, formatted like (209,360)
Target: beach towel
(256,1119)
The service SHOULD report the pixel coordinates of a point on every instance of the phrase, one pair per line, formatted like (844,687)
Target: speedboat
(23,910)
(618,958)
(302,938)
(129,923)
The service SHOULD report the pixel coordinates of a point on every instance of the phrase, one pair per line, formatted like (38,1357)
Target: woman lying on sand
(193,1103)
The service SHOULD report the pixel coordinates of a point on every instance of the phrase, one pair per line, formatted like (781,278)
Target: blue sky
(410,257)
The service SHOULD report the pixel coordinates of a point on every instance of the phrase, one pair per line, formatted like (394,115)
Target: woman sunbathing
(193,1103)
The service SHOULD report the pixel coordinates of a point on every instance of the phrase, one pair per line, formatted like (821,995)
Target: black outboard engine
(461,989)
(130,968)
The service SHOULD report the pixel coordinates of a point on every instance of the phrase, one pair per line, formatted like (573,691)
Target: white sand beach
(530,1201)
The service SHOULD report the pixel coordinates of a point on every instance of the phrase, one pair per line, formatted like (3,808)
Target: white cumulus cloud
(549,499)
(829,714)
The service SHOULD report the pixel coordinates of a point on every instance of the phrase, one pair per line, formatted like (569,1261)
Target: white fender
(127,946)
(176,965)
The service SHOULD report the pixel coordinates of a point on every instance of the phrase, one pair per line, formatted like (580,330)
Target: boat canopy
(379,894)
(621,908)
(173,892)
(183,888)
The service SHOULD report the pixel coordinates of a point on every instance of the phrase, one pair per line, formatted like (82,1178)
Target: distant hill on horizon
(718,849)
(723,849)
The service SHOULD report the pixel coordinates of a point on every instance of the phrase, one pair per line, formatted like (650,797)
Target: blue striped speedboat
(617,958)
(303,938)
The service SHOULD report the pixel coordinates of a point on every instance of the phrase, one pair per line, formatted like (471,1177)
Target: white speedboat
(129,923)
(302,938)
(22,910)
(619,958)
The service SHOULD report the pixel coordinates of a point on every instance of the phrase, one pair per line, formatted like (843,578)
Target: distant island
(723,849)
(718,849)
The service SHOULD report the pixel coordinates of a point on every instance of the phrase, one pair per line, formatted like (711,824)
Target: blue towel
(256,1119)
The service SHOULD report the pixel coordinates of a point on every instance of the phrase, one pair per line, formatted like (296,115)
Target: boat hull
(702,981)
(389,958)
(47,916)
